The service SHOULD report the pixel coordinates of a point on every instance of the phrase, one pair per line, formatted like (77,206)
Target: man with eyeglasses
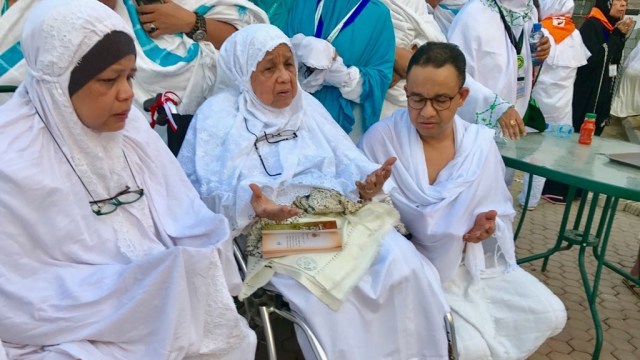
(450,193)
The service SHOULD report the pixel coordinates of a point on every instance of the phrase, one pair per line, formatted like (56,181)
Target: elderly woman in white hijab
(261,141)
(106,250)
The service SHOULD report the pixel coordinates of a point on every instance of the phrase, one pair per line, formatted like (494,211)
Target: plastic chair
(266,301)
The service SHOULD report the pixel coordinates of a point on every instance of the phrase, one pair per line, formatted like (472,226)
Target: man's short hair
(437,55)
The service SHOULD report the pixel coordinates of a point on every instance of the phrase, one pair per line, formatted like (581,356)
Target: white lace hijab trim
(53,42)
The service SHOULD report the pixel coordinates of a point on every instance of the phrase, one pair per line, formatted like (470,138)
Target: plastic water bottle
(534,38)
(560,130)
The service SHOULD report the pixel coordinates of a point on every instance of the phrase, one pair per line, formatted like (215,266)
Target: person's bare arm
(171,18)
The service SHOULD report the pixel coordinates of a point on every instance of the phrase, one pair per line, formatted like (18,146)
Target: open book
(300,238)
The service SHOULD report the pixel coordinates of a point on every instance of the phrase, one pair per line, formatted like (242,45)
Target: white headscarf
(141,275)
(218,153)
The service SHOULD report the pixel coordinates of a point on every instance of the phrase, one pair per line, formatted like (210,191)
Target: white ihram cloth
(500,311)
(11,28)
(414,26)
(626,101)
(554,88)
(491,59)
(151,280)
(396,309)
(446,11)
(193,77)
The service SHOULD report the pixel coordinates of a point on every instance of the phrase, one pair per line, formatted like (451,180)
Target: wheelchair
(266,301)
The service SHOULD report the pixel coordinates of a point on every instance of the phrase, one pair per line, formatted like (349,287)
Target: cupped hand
(483,227)
(372,185)
(167,18)
(267,208)
(543,49)
(626,25)
(512,124)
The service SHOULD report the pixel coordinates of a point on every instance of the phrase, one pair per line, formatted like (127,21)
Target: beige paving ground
(619,309)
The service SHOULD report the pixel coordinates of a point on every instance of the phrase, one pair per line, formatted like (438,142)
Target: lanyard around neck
(512,38)
(348,20)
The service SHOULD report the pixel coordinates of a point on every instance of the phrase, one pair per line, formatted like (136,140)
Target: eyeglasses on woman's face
(440,102)
(108,206)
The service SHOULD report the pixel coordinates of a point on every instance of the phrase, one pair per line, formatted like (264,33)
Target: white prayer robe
(626,101)
(414,26)
(153,279)
(500,311)
(395,311)
(554,88)
(491,59)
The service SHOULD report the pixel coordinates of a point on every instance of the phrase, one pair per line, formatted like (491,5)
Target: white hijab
(218,153)
(76,270)
(438,214)
(52,47)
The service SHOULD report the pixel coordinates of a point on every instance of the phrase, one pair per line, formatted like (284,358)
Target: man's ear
(405,89)
(464,93)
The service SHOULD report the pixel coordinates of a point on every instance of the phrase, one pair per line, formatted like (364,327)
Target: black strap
(516,44)
(535,80)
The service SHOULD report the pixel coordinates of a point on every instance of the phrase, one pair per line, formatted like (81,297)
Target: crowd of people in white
(381,115)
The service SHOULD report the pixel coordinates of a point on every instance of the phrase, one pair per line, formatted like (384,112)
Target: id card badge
(521,78)
(613,70)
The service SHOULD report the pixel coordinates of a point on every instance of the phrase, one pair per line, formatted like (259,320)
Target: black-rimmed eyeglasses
(107,206)
(440,102)
(282,135)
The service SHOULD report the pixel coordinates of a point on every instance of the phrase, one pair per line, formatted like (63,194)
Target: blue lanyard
(348,20)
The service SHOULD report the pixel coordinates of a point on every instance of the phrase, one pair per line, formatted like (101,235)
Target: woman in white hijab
(145,273)
(259,137)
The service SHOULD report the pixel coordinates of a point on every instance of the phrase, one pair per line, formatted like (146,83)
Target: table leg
(584,239)
(524,208)
(559,240)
